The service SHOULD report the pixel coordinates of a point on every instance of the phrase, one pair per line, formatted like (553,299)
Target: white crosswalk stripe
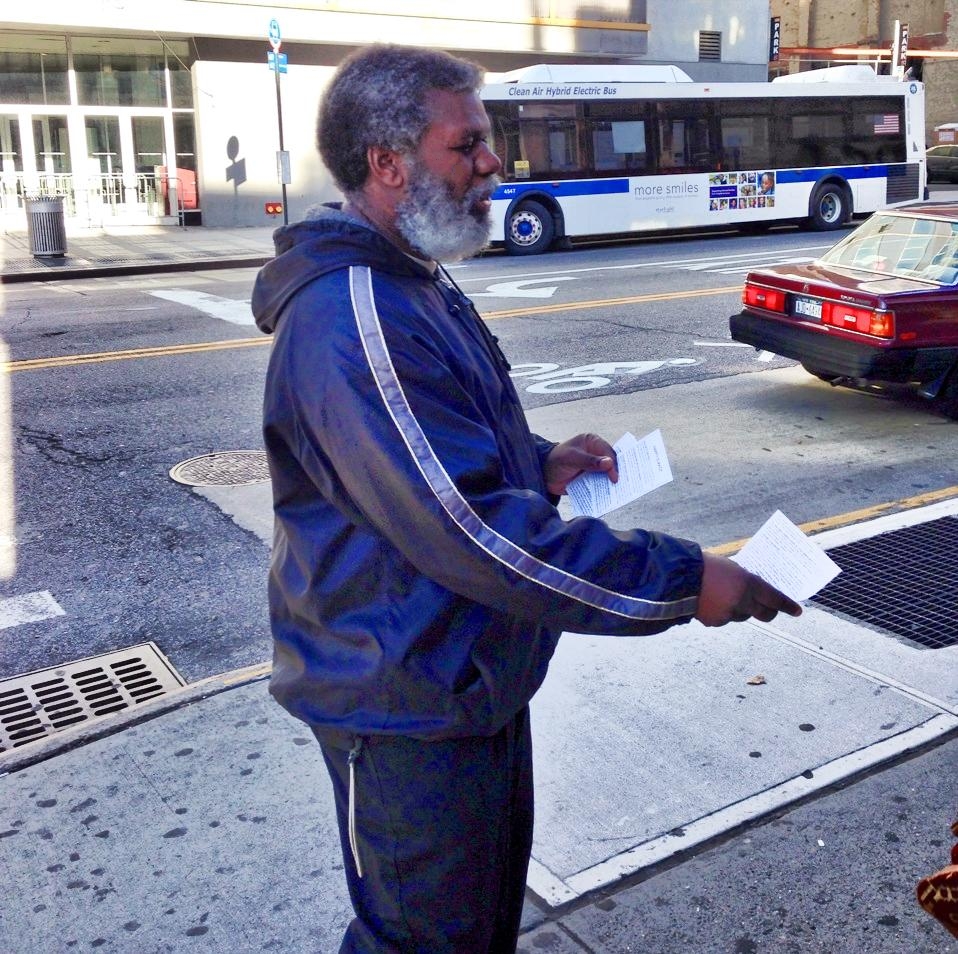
(227,309)
(723,266)
(29,608)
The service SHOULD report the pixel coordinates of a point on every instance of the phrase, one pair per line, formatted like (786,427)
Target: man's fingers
(608,465)
(730,593)
(770,598)
(764,602)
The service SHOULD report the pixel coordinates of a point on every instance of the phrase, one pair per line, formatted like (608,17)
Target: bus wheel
(831,207)
(529,230)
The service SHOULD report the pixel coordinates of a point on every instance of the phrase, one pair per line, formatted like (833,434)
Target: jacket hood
(326,240)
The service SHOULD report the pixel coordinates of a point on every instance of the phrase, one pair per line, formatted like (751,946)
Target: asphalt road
(127,382)
(115,381)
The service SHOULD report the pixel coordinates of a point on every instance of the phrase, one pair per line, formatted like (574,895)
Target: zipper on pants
(353,758)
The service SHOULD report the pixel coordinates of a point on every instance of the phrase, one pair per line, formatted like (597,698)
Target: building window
(710,45)
(184,134)
(51,142)
(181,82)
(33,70)
(119,71)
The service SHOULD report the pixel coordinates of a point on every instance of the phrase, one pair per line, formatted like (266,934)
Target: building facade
(141,113)
(813,28)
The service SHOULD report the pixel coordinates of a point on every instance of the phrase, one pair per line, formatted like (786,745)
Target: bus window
(685,141)
(877,131)
(817,134)
(745,131)
(619,146)
(617,135)
(549,139)
(505,133)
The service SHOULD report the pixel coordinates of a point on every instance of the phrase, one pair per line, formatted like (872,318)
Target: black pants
(443,831)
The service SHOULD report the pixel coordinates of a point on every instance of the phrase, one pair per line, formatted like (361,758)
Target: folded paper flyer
(783,556)
(642,464)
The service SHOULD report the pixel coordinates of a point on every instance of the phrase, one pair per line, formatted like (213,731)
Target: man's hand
(730,593)
(585,452)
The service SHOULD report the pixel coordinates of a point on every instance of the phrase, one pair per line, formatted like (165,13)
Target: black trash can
(46,226)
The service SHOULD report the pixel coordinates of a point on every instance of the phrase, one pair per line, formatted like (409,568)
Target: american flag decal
(887,123)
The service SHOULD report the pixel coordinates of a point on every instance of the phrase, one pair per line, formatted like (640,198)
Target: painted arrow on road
(520,289)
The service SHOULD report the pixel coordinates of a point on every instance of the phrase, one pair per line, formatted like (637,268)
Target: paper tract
(643,465)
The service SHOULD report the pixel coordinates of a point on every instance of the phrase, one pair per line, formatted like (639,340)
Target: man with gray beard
(421,574)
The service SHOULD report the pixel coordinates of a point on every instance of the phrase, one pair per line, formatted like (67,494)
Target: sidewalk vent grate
(39,704)
(904,582)
(126,259)
(30,264)
(224,469)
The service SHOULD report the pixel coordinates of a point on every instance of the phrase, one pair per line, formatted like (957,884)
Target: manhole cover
(224,469)
(41,703)
(904,582)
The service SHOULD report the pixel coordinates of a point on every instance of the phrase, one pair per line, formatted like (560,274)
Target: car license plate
(809,307)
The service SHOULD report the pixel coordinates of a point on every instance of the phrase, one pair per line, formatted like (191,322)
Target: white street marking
(29,608)
(742,270)
(227,309)
(551,379)
(724,266)
(554,274)
(517,289)
(720,344)
(761,356)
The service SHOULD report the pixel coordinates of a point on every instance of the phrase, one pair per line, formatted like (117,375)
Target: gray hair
(377,98)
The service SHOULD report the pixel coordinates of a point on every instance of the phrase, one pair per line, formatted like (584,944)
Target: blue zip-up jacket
(421,574)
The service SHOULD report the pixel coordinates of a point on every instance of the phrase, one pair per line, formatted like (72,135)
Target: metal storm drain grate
(904,582)
(41,703)
(224,469)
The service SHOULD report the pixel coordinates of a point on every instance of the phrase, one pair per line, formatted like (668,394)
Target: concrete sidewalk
(680,807)
(135,250)
(204,820)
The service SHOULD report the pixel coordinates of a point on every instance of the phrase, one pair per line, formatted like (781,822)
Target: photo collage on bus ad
(731,191)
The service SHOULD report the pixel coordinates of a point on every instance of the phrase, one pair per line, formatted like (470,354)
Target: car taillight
(768,298)
(868,321)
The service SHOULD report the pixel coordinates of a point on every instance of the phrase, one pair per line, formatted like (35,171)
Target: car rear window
(901,245)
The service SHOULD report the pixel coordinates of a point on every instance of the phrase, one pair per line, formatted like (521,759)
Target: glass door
(185,135)
(11,164)
(104,160)
(149,157)
(51,145)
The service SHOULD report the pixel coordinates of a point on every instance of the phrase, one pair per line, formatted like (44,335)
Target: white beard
(439,226)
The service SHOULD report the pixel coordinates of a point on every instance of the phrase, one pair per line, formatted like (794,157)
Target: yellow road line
(610,302)
(66,361)
(855,516)
(36,364)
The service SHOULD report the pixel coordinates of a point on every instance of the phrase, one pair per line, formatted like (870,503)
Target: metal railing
(91,198)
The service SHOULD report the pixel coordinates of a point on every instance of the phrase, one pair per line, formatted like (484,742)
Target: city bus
(619,150)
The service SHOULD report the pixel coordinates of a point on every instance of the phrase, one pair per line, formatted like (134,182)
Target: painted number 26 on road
(553,379)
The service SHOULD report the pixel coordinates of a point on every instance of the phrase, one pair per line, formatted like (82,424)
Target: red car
(879,308)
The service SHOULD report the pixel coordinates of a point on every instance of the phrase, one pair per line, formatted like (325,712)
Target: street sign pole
(275,41)
(279,115)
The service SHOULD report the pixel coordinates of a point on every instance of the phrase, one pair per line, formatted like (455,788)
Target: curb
(73,738)
(104,271)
